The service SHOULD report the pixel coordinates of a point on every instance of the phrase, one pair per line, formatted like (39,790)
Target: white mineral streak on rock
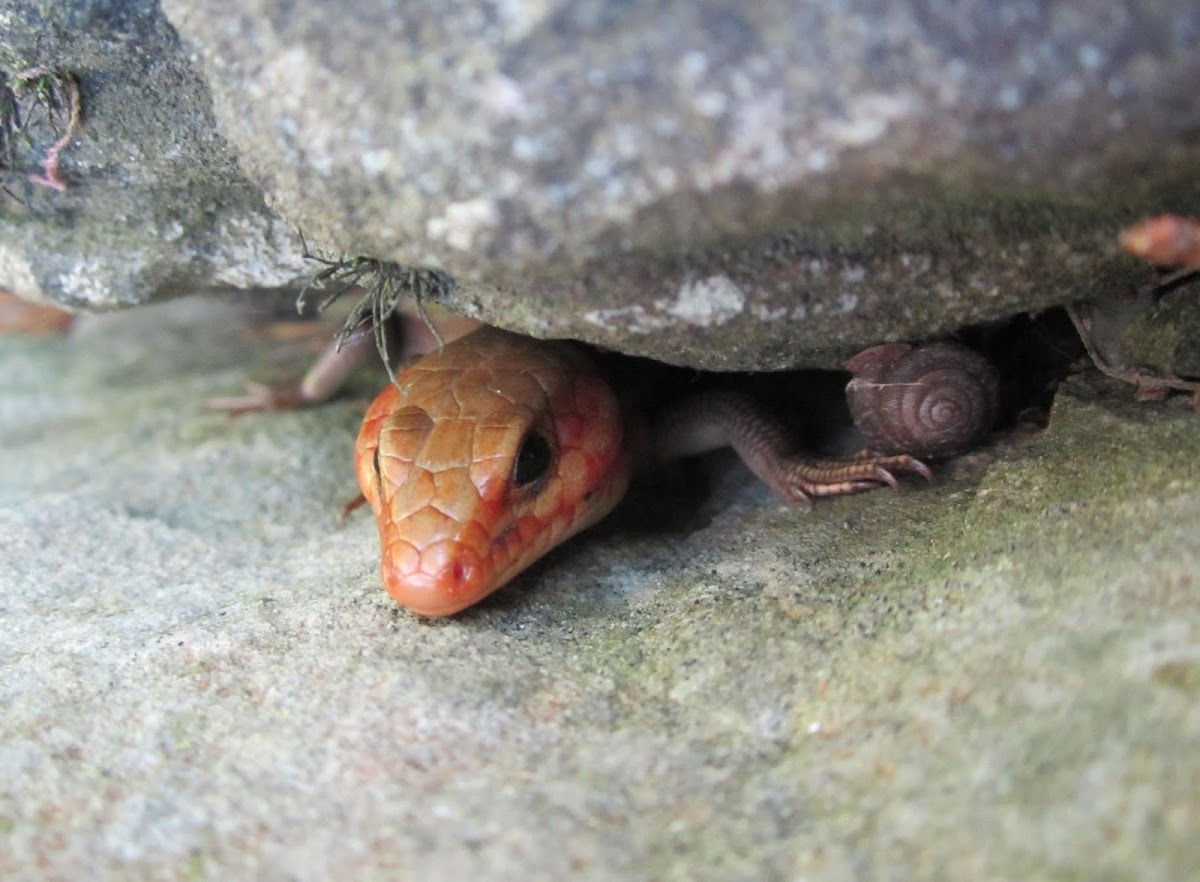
(712,300)
(256,250)
(705,302)
(767,313)
(632,318)
(868,117)
(16,275)
(463,222)
(91,281)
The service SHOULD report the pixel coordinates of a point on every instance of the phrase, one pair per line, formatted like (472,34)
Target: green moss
(1167,336)
(1181,675)
(1049,512)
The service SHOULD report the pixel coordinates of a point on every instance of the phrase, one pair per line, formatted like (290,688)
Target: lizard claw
(900,462)
(887,477)
(803,477)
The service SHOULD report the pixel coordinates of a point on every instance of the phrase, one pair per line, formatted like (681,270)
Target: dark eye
(378,475)
(533,460)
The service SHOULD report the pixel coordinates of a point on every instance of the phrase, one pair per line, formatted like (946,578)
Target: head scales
(437,459)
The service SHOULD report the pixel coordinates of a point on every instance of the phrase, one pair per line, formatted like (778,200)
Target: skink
(483,456)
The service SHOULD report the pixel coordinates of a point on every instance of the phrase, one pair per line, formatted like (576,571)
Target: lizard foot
(802,478)
(260,397)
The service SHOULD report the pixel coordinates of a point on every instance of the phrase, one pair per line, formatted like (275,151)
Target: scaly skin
(460,511)
(454,525)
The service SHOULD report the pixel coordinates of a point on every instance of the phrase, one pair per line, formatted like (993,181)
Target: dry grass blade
(386,285)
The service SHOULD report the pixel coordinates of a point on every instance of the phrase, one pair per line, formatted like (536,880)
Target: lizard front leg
(721,417)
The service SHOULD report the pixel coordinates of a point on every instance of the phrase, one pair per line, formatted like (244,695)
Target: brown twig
(1140,379)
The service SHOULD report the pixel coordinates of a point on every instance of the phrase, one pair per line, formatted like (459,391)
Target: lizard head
(482,457)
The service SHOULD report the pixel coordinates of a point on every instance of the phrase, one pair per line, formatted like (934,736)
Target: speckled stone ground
(994,677)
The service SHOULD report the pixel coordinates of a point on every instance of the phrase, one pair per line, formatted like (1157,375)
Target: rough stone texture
(1166,336)
(155,204)
(989,677)
(720,183)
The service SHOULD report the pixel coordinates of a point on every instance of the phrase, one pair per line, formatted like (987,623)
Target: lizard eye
(378,474)
(533,461)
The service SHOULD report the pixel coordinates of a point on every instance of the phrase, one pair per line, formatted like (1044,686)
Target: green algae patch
(1166,336)
(1104,461)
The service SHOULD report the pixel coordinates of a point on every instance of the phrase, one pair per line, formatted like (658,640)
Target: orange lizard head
(480,459)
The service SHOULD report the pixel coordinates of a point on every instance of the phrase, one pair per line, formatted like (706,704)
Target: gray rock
(154,204)
(725,184)
(992,676)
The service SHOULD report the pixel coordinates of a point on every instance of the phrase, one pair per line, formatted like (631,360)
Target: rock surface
(154,204)
(991,676)
(725,184)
